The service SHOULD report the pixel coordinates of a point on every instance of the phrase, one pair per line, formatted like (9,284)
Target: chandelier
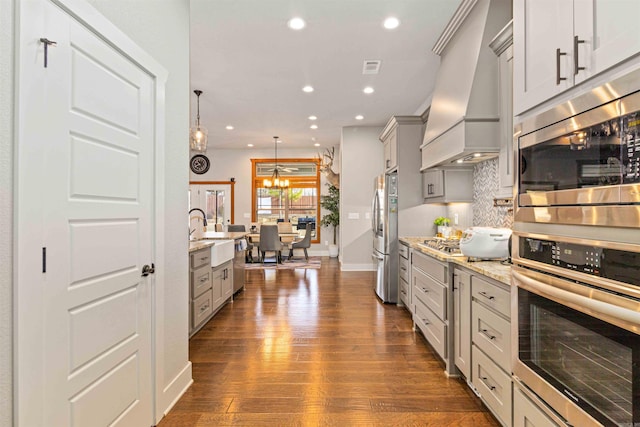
(198,134)
(276,182)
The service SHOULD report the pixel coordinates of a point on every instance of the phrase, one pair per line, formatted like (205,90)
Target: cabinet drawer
(493,385)
(434,329)
(202,308)
(430,293)
(492,295)
(430,266)
(404,293)
(200,281)
(405,269)
(403,251)
(201,257)
(527,414)
(492,334)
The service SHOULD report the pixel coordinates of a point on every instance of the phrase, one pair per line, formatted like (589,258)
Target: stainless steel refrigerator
(384,223)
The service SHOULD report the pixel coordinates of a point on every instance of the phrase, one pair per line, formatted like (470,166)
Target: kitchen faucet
(204,219)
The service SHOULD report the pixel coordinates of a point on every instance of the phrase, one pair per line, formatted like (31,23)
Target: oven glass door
(593,363)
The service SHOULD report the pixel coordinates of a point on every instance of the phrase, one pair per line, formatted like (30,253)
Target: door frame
(232,184)
(28,305)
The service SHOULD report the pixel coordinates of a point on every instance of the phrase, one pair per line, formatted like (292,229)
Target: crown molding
(454,24)
(503,39)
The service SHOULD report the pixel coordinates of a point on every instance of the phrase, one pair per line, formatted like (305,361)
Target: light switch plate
(354,215)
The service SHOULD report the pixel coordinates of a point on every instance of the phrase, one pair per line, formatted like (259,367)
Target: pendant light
(198,134)
(276,182)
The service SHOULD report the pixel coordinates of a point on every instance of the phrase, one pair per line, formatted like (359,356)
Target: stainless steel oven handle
(620,311)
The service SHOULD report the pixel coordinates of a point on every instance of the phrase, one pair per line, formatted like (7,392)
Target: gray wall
(362,156)
(6,209)
(161,27)
(236,163)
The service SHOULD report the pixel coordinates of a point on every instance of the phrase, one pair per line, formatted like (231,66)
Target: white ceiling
(251,67)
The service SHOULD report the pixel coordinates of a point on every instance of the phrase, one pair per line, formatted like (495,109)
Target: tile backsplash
(486,182)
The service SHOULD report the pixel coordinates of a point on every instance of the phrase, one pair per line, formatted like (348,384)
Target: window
(299,204)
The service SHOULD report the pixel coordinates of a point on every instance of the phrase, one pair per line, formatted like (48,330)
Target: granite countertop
(195,245)
(493,269)
(223,235)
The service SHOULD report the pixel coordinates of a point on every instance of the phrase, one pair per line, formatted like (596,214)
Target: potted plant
(443,226)
(331,202)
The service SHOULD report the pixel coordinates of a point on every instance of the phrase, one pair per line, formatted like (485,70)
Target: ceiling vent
(371,66)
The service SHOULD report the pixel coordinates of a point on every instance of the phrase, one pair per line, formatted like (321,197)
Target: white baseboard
(176,388)
(358,267)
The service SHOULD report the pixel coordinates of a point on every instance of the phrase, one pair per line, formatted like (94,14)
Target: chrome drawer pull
(486,333)
(489,297)
(484,380)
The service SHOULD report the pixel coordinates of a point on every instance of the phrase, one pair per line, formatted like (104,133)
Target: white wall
(362,156)
(161,27)
(6,209)
(236,163)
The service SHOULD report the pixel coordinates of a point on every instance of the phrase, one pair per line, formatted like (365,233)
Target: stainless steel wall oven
(576,255)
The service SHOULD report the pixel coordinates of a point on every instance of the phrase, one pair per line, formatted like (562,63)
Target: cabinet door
(391,152)
(217,282)
(607,33)
(432,184)
(540,28)
(506,156)
(227,282)
(462,321)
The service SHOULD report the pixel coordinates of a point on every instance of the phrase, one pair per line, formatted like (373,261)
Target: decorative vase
(333,251)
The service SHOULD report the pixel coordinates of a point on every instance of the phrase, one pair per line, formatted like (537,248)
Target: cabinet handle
(484,380)
(425,290)
(489,297)
(204,308)
(203,258)
(203,279)
(425,321)
(403,268)
(404,292)
(576,67)
(558,55)
(488,335)
(388,163)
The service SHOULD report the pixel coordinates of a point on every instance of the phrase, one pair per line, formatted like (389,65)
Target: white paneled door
(86,226)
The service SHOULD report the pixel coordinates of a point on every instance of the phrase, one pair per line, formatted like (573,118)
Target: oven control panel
(622,266)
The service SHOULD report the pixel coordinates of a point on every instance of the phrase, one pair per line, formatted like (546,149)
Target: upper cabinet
(502,46)
(391,151)
(562,43)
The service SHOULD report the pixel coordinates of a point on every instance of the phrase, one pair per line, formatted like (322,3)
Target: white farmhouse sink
(221,252)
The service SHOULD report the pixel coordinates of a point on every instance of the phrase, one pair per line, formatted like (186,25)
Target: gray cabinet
(462,321)
(200,294)
(563,43)
(222,283)
(502,45)
(404,290)
(429,301)
(447,185)
(528,414)
(391,152)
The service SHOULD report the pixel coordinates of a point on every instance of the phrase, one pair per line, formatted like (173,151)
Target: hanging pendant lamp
(198,134)
(276,182)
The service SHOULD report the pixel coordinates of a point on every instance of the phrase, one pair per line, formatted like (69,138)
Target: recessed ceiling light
(313,118)
(249,145)
(391,23)
(314,126)
(307,89)
(279,141)
(296,23)
(477,154)
(460,161)
(229,127)
(359,117)
(368,90)
(316,145)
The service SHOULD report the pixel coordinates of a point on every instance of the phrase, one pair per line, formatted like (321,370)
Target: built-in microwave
(583,169)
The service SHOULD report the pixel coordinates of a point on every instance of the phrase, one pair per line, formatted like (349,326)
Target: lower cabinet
(528,414)
(429,300)
(404,272)
(209,288)
(493,384)
(462,321)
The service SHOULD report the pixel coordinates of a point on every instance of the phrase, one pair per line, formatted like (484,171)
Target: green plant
(441,220)
(331,202)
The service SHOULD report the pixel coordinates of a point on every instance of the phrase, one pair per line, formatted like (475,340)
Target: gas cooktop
(449,247)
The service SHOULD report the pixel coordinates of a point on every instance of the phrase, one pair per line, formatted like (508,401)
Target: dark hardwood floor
(317,348)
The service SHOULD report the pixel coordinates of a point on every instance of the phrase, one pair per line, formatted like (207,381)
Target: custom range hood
(464,115)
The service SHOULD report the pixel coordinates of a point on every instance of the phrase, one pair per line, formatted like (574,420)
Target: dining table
(285,237)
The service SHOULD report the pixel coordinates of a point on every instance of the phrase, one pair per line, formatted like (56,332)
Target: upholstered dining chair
(239,228)
(305,243)
(270,241)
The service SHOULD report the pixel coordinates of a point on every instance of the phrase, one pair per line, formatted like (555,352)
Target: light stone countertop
(195,245)
(493,269)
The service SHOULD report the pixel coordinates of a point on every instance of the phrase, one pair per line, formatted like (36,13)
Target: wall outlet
(326,243)
(455,219)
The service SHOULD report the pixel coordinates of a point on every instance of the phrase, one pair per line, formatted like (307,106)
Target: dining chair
(305,243)
(240,228)
(270,241)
